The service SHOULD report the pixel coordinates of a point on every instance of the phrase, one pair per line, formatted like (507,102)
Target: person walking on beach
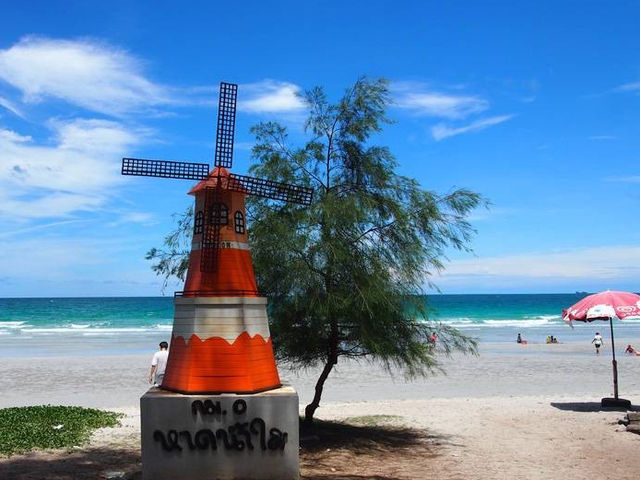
(159,364)
(597,340)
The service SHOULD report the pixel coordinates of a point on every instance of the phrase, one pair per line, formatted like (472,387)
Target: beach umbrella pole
(614,402)
(614,362)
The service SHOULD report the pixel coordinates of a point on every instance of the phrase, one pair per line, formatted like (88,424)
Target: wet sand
(501,370)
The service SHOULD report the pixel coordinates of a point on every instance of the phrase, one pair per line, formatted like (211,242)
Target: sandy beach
(513,411)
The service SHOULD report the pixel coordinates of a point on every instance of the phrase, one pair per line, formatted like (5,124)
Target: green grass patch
(375,420)
(23,429)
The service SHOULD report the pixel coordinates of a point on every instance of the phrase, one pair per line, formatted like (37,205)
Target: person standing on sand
(597,340)
(159,364)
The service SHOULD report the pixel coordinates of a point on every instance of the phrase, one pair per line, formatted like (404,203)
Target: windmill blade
(164,168)
(211,230)
(269,189)
(226,125)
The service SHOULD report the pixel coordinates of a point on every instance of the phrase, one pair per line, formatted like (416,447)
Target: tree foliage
(173,260)
(344,277)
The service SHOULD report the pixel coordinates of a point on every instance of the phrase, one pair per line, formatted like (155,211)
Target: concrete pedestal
(220,437)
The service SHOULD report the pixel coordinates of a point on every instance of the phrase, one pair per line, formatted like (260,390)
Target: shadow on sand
(329,451)
(325,476)
(343,451)
(589,407)
(364,438)
(73,465)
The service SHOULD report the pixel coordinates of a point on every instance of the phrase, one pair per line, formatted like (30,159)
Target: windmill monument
(220,343)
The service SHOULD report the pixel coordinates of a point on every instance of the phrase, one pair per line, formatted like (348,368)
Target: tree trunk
(332,355)
(310,409)
(332,359)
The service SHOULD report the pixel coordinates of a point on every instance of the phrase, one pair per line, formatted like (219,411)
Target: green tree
(344,277)
(173,261)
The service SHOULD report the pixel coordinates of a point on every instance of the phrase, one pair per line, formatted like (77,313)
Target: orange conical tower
(233,275)
(220,340)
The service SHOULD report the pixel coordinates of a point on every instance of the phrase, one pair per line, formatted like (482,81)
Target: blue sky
(534,104)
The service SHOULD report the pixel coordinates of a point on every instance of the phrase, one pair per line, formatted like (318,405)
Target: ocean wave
(549,318)
(92,330)
(627,320)
(526,321)
(11,324)
(83,325)
(456,320)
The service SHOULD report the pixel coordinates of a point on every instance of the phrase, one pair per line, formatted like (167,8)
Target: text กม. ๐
(239,436)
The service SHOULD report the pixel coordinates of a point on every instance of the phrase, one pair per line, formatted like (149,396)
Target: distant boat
(582,293)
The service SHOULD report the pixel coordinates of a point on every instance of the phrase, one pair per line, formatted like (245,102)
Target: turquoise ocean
(115,325)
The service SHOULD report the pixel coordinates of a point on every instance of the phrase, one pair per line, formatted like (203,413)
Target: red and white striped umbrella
(604,306)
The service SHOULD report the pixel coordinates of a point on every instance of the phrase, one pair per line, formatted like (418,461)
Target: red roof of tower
(223,174)
(212,180)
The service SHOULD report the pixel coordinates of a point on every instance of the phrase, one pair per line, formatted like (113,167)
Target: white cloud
(36,228)
(627,179)
(103,78)
(87,73)
(11,107)
(441,131)
(55,265)
(270,96)
(142,218)
(48,205)
(491,213)
(11,136)
(606,263)
(629,87)
(54,257)
(137,217)
(72,172)
(416,97)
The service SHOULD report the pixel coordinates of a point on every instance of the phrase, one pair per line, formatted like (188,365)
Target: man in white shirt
(159,364)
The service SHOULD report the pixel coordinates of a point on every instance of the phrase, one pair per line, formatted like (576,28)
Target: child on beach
(597,340)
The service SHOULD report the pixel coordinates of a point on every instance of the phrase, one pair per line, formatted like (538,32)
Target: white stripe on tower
(236,245)
(224,317)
